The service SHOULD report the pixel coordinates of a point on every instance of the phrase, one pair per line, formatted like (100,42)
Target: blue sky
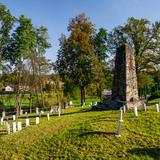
(55,14)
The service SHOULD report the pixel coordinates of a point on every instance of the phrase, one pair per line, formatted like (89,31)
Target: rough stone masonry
(124,87)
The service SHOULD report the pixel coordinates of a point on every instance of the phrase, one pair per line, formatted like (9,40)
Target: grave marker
(144,107)
(37,120)
(124,108)
(37,111)
(157,108)
(3,114)
(14,117)
(135,111)
(48,117)
(118,131)
(121,115)
(14,127)
(1,120)
(19,126)
(8,128)
(21,112)
(27,122)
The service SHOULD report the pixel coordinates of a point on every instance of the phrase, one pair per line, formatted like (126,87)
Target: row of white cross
(123,110)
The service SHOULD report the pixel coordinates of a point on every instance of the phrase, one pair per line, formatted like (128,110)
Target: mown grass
(85,134)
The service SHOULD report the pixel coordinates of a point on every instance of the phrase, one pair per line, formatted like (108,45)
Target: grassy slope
(85,134)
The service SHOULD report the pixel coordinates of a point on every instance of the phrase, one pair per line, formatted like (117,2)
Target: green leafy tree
(76,57)
(143,37)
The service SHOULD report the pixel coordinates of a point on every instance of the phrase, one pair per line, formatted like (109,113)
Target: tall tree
(100,47)
(76,57)
(143,36)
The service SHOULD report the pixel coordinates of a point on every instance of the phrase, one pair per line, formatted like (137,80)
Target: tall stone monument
(124,89)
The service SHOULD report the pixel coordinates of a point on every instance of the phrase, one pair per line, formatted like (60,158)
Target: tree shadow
(92,133)
(3,132)
(152,152)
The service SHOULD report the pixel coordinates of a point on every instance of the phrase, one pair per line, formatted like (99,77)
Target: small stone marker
(121,115)
(37,111)
(70,103)
(157,107)
(135,111)
(144,107)
(1,120)
(19,126)
(59,110)
(3,114)
(14,127)
(27,122)
(42,112)
(14,117)
(21,112)
(48,117)
(8,128)
(124,108)
(37,120)
(118,131)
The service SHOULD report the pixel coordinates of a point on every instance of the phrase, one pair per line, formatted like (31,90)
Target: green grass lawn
(85,134)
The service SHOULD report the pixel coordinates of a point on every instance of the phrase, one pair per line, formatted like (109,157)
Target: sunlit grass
(84,134)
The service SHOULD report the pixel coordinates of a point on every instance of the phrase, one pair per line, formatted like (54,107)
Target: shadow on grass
(152,152)
(3,132)
(92,133)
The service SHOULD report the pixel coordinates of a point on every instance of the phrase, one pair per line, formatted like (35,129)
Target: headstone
(19,126)
(1,120)
(14,117)
(27,122)
(157,108)
(48,117)
(124,108)
(37,120)
(118,131)
(14,127)
(37,111)
(70,103)
(3,114)
(8,128)
(124,88)
(21,112)
(135,111)
(144,107)
(42,112)
(121,115)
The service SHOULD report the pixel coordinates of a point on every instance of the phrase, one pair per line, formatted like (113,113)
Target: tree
(76,57)
(27,43)
(100,48)
(140,35)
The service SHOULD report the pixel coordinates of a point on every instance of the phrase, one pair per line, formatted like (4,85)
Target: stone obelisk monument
(124,89)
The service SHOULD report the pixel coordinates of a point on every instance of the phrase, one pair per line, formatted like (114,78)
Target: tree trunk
(82,96)
(30,102)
